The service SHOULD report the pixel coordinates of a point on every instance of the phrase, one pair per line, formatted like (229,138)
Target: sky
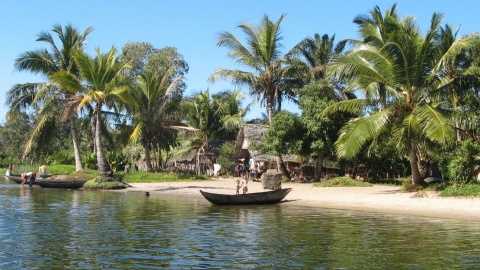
(192,26)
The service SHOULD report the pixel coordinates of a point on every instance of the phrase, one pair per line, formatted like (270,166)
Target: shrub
(342,182)
(226,158)
(461,167)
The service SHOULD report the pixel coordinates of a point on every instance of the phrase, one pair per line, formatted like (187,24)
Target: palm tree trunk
(148,161)
(102,164)
(76,148)
(416,176)
(281,166)
(318,168)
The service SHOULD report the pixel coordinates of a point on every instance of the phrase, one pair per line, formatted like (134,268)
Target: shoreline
(376,199)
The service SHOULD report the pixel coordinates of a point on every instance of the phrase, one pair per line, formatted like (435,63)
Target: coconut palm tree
(273,77)
(318,52)
(52,101)
(155,98)
(99,81)
(404,67)
(458,79)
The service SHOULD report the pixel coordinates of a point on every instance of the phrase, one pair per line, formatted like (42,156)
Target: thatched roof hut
(250,133)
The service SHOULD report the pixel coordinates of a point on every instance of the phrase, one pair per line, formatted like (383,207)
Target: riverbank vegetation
(395,102)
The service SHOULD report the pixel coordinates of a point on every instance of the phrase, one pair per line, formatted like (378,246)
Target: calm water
(65,229)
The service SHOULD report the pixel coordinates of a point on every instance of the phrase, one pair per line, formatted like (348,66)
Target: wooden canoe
(266,197)
(50,182)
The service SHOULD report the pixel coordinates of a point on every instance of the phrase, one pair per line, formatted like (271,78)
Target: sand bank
(379,198)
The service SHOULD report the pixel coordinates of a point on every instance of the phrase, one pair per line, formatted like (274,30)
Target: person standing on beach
(245,183)
(238,187)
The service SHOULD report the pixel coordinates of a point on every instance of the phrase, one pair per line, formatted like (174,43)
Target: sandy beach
(379,198)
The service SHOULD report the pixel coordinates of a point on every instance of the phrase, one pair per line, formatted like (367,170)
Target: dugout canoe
(50,182)
(267,197)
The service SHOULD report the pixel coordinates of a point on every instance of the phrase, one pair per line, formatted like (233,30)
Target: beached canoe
(266,197)
(50,182)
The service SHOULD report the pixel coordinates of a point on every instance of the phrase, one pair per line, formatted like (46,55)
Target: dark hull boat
(266,197)
(49,182)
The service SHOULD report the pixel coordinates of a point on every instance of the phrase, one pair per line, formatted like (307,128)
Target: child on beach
(244,183)
(238,187)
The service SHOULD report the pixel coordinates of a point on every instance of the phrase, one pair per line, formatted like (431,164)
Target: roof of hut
(214,146)
(248,134)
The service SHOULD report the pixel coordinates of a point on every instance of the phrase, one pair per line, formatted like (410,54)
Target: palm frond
(360,130)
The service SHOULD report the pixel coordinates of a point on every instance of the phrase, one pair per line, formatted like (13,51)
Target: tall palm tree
(100,80)
(405,68)
(52,99)
(272,77)
(458,79)
(318,52)
(155,98)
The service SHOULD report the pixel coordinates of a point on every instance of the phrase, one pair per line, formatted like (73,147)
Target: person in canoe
(30,176)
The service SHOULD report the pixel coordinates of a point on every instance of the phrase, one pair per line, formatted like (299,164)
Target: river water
(73,229)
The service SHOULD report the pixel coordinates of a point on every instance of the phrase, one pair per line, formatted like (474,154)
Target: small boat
(50,182)
(266,197)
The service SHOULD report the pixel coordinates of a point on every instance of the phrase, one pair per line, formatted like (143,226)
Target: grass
(132,177)
(144,177)
(468,190)
(342,181)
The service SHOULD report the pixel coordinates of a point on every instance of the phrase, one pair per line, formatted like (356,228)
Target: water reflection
(57,229)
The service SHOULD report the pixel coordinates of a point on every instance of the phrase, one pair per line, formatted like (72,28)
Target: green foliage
(118,162)
(461,167)
(285,136)
(467,190)
(342,182)
(61,158)
(90,161)
(226,158)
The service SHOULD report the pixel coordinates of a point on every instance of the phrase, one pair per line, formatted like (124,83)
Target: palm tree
(318,52)
(100,81)
(51,99)
(273,77)
(458,79)
(405,68)
(155,98)
(219,117)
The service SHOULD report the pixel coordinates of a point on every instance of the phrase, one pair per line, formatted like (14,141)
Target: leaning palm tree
(51,100)
(100,81)
(405,68)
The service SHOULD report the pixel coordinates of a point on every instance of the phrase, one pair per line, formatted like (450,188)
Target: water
(68,229)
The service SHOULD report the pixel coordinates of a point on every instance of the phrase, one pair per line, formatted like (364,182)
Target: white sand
(383,199)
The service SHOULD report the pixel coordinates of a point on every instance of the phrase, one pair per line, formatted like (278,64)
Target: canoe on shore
(50,182)
(266,197)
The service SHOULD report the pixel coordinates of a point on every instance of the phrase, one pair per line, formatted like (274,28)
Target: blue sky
(192,26)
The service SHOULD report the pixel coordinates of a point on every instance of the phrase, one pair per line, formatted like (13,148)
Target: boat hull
(267,197)
(50,182)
